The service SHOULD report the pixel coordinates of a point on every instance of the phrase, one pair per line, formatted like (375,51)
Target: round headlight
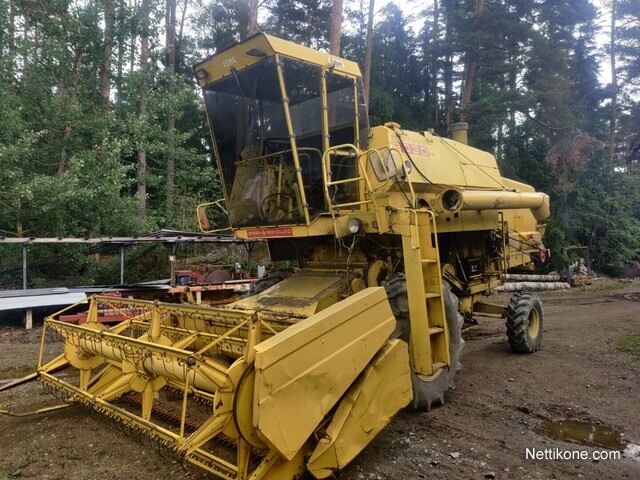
(408,167)
(354,225)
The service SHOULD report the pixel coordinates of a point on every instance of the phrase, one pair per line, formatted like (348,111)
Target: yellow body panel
(368,407)
(441,160)
(219,65)
(313,363)
(301,294)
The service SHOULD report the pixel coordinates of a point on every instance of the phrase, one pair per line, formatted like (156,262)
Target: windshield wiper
(235,76)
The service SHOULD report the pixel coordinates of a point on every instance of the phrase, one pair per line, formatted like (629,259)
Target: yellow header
(260,46)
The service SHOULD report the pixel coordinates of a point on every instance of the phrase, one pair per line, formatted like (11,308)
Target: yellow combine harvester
(397,236)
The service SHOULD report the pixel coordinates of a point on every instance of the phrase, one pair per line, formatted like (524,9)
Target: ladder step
(342,153)
(431,295)
(350,204)
(438,365)
(434,330)
(429,260)
(346,180)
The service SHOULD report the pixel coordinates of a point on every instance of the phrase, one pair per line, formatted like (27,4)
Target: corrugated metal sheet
(38,297)
(33,292)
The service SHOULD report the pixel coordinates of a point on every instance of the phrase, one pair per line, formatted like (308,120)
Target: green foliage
(69,161)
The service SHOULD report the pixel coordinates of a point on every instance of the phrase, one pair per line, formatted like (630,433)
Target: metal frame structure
(167,237)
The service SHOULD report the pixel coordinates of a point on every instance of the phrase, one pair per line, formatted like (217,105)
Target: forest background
(103,131)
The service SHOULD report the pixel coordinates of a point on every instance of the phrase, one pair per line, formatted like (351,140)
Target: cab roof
(260,46)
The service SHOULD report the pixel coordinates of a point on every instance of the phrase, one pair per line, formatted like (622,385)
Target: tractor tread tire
(427,394)
(518,312)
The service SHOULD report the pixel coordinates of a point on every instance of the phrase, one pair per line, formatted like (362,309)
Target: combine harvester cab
(397,237)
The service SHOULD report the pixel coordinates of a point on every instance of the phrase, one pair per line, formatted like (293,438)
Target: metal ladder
(364,193)
(347,150)
(429,344)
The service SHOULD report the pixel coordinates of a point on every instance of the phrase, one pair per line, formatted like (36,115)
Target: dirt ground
(581,372)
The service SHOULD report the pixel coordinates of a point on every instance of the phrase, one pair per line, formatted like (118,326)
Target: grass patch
(630,343)
(600,286)
(596,286)
(15,471)
(18,371)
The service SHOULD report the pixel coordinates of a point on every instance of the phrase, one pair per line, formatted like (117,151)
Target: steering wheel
(267,210)
(275,144)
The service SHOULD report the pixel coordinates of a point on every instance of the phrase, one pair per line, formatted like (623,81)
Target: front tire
(524,322)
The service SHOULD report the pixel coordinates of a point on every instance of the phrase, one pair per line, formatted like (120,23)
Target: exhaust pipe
(459,132)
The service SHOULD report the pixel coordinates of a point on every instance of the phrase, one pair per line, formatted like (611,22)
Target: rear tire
(426,394)
(524,322)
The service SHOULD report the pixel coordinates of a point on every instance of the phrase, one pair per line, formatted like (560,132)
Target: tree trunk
(19,229)
(171,124)
(182,19)
(105,71)
(309,34)
(527,277)
(279,7)
(362,28)
(512,80)
(25,49)
(500,141)
(531,286)
(120,60)
(132,54)
(62,164)
(335,27)
(243,22)
(252,18)
(142,152)
(367,51)
(448,66)
(63,157)
(614,88)
(12,43)
(434,63)
(77,65)
(470,72)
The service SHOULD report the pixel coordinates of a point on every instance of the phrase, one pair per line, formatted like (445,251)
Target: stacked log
(531,286)
(525,277)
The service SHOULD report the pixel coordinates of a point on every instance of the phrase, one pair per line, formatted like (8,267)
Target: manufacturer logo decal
(229,61)
(411,148)
(270,232)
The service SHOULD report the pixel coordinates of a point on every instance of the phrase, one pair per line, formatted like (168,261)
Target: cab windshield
(255,146)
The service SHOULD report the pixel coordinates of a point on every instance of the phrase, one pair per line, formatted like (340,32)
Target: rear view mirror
(207,216)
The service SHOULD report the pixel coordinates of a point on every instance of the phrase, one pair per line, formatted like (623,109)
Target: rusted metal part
(164,412)
(103,317)
(40,411)
(489,308)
